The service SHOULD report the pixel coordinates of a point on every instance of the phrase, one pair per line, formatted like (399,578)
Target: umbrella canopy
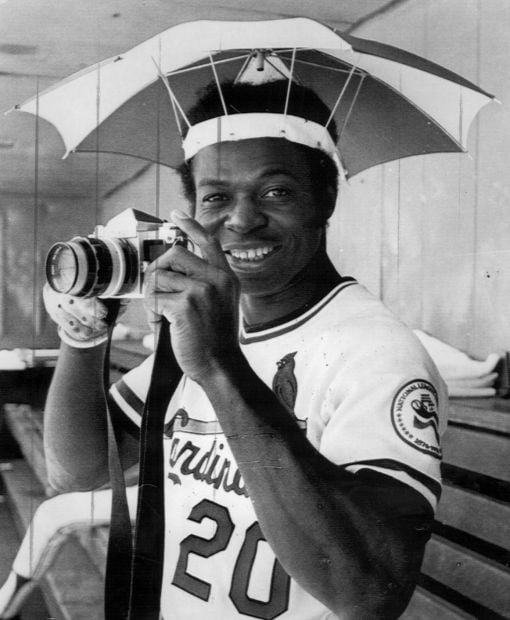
(386,103)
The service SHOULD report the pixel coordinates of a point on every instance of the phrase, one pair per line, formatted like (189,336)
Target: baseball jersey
(366,394)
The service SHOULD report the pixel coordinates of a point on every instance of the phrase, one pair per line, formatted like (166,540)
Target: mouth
(251,255)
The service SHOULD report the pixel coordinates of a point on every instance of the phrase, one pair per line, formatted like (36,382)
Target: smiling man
(299,482)
(257,199)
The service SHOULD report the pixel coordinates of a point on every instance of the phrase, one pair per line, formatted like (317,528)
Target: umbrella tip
(264,65)
(259,60)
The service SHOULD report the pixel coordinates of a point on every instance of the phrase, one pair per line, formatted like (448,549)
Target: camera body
(111,262)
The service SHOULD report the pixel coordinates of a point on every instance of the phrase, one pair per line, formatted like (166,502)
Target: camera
(111,262)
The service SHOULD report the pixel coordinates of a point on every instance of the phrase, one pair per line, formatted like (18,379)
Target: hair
(270,97)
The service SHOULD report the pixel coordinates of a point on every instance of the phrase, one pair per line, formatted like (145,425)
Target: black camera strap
(134,569)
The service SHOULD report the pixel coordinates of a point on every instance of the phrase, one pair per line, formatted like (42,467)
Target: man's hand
(199,297)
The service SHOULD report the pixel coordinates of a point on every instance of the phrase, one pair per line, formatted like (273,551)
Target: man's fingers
(159,285)
(164,281)
(179,281)
(209,247)
(180,259)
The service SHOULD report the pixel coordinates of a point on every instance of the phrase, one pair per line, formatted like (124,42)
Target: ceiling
(43,41)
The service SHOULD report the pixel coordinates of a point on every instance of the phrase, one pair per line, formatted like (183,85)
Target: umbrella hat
(386,103)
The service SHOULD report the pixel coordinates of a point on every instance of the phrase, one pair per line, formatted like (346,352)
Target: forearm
(75,427)
(332,533)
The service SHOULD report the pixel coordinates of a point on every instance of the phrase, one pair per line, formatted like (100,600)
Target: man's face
(255,196)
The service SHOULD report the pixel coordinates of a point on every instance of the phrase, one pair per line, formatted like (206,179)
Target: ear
(332,194)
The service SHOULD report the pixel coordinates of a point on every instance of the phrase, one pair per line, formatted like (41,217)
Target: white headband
(259,125)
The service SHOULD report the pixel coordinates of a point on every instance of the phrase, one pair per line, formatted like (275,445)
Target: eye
(217,197)
(276,192)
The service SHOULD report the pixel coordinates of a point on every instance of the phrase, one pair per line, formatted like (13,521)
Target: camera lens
(90,267)
(62,267)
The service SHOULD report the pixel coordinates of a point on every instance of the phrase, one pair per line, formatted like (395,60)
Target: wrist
(81,344)
(224,369)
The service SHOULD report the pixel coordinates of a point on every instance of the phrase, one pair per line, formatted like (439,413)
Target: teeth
(252,254)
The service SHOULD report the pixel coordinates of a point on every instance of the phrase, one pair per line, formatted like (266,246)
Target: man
(300,480)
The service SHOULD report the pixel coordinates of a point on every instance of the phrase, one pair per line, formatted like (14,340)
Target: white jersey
(363,390)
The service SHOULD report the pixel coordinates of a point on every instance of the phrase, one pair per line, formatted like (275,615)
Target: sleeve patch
(414,415)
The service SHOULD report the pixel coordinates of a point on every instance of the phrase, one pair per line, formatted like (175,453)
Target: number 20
(206,547)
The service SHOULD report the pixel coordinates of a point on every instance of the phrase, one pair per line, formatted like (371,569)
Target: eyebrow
(270,172)
(215,182)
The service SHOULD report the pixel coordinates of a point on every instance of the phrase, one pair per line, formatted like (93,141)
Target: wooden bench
(466,570)
(72,585)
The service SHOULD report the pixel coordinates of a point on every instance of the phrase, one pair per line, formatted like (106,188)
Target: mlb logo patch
(415,418)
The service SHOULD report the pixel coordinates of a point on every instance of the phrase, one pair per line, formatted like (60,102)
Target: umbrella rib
(172,96)
(247,57)
(287,98)
(243,68)
(220,92)
(351,107)
(341,94)
(461,116)
(177,119)
(203,66)
(275,67)
(329,67)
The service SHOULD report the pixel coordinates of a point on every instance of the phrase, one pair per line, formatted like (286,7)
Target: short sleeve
(385,409)
(128,394)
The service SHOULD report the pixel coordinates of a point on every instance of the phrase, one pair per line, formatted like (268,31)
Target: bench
(72,585)
(466,570)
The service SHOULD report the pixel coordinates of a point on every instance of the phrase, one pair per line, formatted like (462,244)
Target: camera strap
(134,569)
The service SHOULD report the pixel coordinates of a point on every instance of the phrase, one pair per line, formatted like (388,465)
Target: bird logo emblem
(285,385)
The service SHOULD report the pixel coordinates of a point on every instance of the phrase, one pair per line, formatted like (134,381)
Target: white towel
(12,360)
(474,383)
(454,364)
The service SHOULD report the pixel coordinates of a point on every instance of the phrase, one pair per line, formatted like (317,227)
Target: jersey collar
(271,329)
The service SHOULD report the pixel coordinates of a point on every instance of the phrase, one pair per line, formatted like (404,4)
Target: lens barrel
(92,267)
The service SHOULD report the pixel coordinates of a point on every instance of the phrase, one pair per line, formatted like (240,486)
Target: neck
(315,281)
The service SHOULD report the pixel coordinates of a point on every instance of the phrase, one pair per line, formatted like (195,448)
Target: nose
(245,215)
